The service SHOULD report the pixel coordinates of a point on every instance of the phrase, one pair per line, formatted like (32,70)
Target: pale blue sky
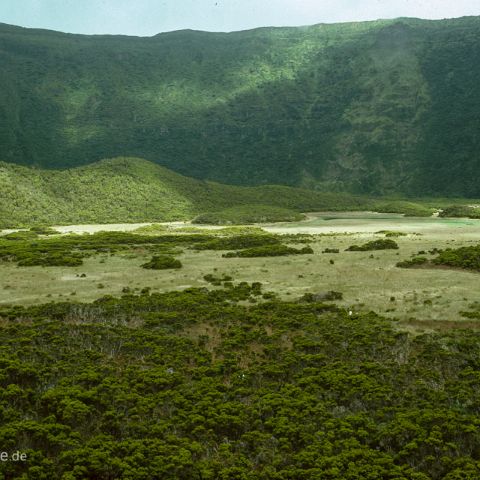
(148,17)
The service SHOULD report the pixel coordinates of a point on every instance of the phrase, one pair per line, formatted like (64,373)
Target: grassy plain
(420,299)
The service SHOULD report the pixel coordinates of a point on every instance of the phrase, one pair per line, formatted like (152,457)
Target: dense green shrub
(331,250)
(238,241)
(414,262)
(51,260)
(321,297)
(162,262)
(409,209)
(460,211)
(247,214)
(20,235)
(464,257)
(381,244)
(268,251)
(43,230)
(205,384)
(217,280)
(392,233)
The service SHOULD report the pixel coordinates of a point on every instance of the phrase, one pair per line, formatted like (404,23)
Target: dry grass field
(420,299)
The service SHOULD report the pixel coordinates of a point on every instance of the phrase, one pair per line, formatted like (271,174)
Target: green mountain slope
(375,107)
(135,190)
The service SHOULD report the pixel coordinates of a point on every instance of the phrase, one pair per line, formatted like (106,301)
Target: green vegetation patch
(68,250)
(238,242)
(246,214)
(162,262)
(392,233)
(381,244)
(464,257)
(412,263)
(205,384)
(409,209)
(217,281)
(43,230)
(331,295)
(460,211)
(257,107)
(269,251)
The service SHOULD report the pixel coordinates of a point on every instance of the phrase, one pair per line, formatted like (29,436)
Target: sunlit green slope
(135,190)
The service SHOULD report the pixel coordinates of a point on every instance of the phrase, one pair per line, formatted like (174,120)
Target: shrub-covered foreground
(200,384)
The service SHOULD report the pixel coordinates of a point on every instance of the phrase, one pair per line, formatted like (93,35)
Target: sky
(149,17)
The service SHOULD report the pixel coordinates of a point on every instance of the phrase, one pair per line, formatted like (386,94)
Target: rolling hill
(135,190)
(372,108)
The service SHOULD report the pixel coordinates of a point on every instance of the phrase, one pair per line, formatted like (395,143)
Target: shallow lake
(371,222)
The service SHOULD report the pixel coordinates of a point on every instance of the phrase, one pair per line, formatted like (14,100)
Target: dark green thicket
(321,297)
(460,211)
(381,244)
(392,233)
(239,241)
(269,251)
(195,384)
(414,262)
(246,214)
(374,107)
(467,258)
(162,262)
(464,257)
(217,281)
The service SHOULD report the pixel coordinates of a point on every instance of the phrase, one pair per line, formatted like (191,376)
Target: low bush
(51,260)
(391,233)
(382,244)
(217,281)
(238,242)
(269,251)
(321,297)
(464,257)
(21,235)
(41,230)
(460,211)
(248,214)
(162,262)
(414,262)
